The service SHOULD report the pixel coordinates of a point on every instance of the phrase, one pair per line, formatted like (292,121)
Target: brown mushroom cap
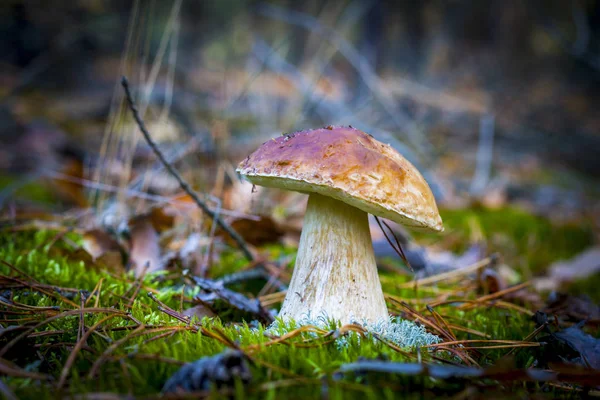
(349,165)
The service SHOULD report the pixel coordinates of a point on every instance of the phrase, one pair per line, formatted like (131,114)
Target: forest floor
(73,325)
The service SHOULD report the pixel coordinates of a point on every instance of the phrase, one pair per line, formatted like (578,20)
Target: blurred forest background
(495,102)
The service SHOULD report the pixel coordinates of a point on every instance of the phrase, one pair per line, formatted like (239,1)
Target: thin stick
(519,343)
(425,321)
(80,343)
(512,289)
(530,336)
(183,184)
(398,250)
(445,276)
(441,321)
(138,285)
(10,344)
(7,368)
(81,329)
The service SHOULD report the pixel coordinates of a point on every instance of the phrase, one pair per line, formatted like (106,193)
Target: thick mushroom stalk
(335,273)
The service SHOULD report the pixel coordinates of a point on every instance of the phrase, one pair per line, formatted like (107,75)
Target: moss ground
(138,361)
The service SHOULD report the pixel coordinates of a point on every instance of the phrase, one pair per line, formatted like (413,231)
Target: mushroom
(347,174)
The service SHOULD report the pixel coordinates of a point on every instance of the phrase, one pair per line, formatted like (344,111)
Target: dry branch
(182,183)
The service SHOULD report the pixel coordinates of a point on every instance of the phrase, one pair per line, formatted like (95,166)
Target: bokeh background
(495,102)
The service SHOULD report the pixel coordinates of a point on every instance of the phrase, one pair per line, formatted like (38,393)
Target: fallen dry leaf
(257,233)
(144,249)
(200,311)
(98,242)
(570,345)
(161,219)
(572,308)
(69,189)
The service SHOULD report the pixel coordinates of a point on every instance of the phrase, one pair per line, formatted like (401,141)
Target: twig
(138,285)
(96,291)
(446,276)
(485,303)
(272,298)
(518,343)
(529,337)
(81,330)
(434,326)
(18,271)
(468,330)
(441,321)
(182,183)
(220,336)
(45,289)
(399,249)
(496,295)
(259,270)
(285,337)
(29,330)
(7,368)
(80,343)
(116,344)
(463,356)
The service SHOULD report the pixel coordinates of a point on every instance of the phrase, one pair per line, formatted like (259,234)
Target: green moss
(52,265)
(302,368)
(30,190)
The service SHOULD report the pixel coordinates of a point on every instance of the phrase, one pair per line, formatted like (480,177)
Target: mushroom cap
(349,165)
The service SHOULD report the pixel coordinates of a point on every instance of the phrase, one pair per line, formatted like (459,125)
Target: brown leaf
(97,242)
(144,249)
(490,281)
(257,233)
(161,219)
(572,308)
(70,190)
(200,311)
(112,260)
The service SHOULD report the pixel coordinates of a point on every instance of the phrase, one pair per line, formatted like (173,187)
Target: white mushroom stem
(335,273)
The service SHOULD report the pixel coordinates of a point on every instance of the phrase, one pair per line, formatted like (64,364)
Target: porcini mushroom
(347,174)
